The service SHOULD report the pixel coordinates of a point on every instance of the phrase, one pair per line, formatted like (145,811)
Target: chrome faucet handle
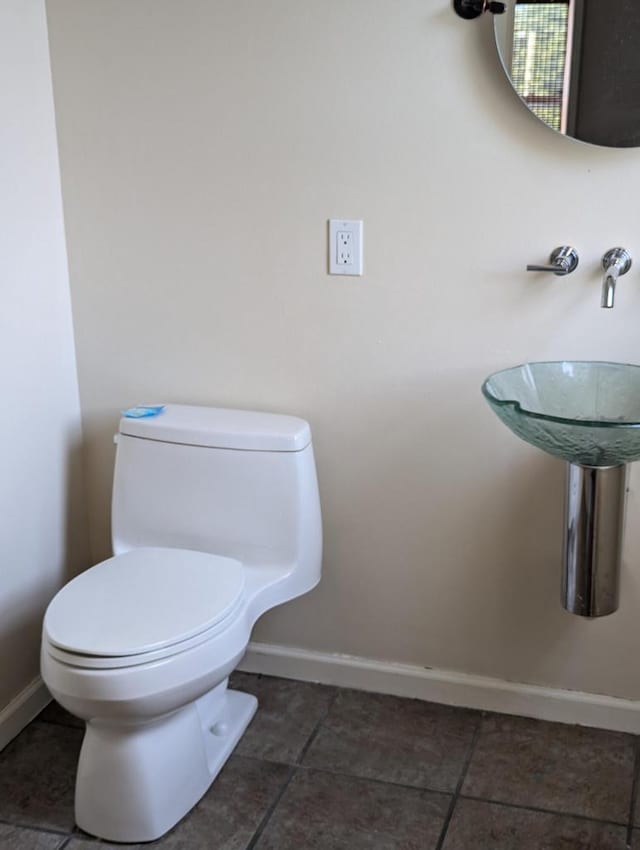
(563,260)
(619,257)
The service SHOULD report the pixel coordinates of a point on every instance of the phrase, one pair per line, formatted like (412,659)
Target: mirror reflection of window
(539,66)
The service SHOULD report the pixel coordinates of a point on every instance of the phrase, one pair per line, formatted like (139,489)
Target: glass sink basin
(586,412)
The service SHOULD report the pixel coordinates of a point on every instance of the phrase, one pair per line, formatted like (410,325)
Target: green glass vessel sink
(586,412)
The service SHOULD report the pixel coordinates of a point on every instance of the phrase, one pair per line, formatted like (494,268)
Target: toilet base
(135,781)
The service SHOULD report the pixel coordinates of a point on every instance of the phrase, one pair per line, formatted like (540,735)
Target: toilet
(215,520)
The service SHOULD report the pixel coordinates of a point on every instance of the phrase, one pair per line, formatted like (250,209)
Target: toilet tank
(231,482)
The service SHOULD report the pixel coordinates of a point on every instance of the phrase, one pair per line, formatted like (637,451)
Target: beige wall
(43,532)
(204,144)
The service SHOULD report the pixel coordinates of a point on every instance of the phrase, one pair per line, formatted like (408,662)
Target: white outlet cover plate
(337,226)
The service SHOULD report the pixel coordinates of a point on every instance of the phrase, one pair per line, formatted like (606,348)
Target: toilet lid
(143,600)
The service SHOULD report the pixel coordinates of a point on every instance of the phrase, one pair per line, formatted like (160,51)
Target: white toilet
(215,519)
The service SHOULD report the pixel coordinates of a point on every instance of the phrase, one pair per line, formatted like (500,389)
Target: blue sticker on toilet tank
(143,410)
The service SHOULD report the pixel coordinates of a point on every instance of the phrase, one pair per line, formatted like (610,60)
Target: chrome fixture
(563,260)
(615,262)
(594,513)
(469,9)
(587,413)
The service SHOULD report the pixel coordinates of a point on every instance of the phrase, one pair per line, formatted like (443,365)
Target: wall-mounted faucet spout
(609,287)
(615,263)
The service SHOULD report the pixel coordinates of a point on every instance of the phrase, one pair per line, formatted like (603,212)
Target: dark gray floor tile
(489,825)
(321,811)
(288,712)
(553,766)
(55,713)
(636,814)
(37,776)
(394,740)
(16,838)
(227,816)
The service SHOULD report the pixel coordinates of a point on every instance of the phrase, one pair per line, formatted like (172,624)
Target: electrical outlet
(344,250)
(345,247)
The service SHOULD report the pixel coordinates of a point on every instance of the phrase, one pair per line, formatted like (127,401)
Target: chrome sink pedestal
(594,522)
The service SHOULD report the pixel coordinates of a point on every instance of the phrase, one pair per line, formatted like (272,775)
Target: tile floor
(322,768)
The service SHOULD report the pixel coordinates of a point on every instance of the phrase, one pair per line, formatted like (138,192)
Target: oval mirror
(576,65)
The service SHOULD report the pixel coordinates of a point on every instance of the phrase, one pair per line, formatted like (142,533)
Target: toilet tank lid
(222,428)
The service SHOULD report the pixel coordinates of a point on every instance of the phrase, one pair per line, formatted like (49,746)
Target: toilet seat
(145,604)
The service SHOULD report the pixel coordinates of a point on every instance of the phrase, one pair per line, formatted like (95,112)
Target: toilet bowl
(216,519)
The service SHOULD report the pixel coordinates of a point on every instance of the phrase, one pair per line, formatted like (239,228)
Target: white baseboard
(444,686)
(22,709)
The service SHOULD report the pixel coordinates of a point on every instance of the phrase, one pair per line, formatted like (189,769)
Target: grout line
(456,793)
(634,793)
(317,727)
(62,833)
(312,768)
(538,810)
(267,817)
